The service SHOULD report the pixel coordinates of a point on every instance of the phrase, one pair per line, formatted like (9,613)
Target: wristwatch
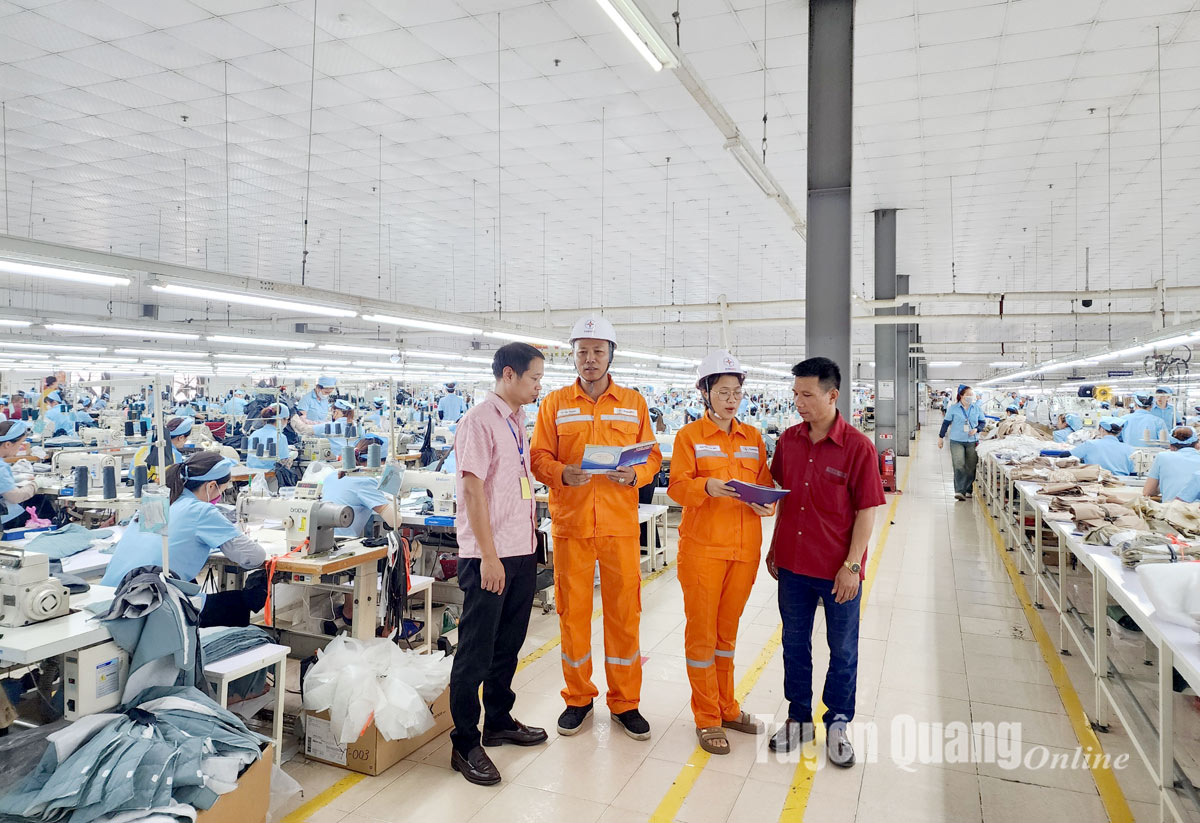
(854,567)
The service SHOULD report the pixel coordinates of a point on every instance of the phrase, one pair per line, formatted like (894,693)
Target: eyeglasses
(728,394)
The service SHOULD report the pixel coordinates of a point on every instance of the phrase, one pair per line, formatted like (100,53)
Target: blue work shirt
(9,511)
(315,408)
(196,528)
(235,406)
(359,493)
(1061,435)
(963,425)
(1190,492)
(1143,428)
(1174,471)
(451,407)
(185,410)
(1167,415)
(59,422)
(265,435)
(1108,453)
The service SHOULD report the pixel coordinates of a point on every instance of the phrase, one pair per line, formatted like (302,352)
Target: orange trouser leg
(739,580)
(714,596)
(621,594)
(574,584)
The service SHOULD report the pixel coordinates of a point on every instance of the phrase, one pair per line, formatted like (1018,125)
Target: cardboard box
(371,754)
(248,803)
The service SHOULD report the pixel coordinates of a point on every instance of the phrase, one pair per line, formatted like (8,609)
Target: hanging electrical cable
(4,132)
(675,15)
(228,266)
(764,74)
(1109,239)
(1162,213)
(499,185)
(953,275)
(312,96)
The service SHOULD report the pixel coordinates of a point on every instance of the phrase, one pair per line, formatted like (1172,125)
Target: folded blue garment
(66,540)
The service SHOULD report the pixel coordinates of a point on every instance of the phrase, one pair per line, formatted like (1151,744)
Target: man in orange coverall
(720,540)
(594,517)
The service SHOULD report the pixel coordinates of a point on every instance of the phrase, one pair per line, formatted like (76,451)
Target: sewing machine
(316,448)
(28,594)
(441,486)
(303,519)
(65,463)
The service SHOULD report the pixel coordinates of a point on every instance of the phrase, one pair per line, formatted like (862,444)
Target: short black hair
(825,370)
(516,356)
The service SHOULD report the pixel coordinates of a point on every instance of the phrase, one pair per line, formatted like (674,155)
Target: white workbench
(50,638)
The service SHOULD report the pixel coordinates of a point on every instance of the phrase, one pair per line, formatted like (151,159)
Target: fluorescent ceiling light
(117,331)
(487,360)
(944,363)
(50,346)
(433,355)
(260,341)
(1004,364)
(777,364)
(319,361)
(357,349)
(750,165)
(4,321)
(639,31)
(161,353)
(1173,341)
(419,324)
(522,338)
(635,354)
(254,300)
(255,357)
(54,273)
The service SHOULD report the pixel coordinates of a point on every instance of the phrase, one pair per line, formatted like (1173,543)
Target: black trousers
(490,635)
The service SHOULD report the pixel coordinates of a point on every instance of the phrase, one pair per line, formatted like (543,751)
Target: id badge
(966,428)
(526,490)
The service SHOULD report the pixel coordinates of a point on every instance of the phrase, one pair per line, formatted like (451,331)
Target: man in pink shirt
(497,565)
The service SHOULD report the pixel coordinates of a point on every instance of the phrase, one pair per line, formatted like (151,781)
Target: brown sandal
(711,737)
(745,724)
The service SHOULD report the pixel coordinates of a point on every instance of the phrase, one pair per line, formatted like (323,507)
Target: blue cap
(1013,407)
(1075,422)
(1105,406)
(1109,423)
(184,427)
(342,404)
(1187,442)
(55,396)
(15,432)
(1164,390)
(378,401)
(326,382)
(284,411)
(1143,399)
(222,469)
(85,401)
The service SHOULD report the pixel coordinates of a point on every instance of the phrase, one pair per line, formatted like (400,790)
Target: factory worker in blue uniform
(1172,471)
(196,529)
(340,426)
(1163,408)
(1012,409)
(1107,451)
(178,429)
(274,418)
(376,415)
(451,407)
(315,406)
(1068,424)
(236,405)
(58,420)
(963,422)
(360,492)
(101,403)
(185,409)
(81,416)
(1143,428)
(14,494)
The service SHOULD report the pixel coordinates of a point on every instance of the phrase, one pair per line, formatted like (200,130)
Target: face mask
(968,399)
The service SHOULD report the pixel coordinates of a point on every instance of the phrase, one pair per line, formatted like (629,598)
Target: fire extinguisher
(887,469)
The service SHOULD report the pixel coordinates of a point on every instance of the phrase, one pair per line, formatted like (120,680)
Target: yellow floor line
(796,802)
(1109,789)
(682,786)
(304,812)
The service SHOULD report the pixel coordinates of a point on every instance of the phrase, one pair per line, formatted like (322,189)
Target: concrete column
(885,336)
(904,391)
(830,149)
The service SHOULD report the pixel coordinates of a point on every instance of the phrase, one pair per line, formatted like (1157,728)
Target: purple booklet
(752,493)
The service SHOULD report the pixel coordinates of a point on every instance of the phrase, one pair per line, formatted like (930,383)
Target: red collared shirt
(830,482)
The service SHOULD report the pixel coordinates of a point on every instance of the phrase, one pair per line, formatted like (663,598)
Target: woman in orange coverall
(719,543)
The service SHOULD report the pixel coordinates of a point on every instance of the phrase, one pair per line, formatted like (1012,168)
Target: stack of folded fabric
(165,754)
(66,540)
(222,642)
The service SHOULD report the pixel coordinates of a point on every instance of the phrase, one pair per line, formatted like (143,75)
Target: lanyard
(520,445)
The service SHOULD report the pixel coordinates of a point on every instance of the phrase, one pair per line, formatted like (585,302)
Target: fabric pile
(221,642)
(357,682)
(162,756)
(1012,449)
(1020,426)
(66,540)
(1173,517)
(156,620)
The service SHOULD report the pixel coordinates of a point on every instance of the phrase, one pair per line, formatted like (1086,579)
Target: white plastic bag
(359,682)
(1174,589)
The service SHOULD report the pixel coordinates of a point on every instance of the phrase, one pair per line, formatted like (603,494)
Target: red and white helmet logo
(729,364)
(589,325)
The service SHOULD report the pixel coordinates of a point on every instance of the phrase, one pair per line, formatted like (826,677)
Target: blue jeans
(798,599)
(964,459)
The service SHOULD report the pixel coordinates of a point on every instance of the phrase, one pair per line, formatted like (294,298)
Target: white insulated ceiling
(561,172)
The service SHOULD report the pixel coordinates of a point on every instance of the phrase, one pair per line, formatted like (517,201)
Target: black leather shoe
(792,735)
(522,735)
(476,766)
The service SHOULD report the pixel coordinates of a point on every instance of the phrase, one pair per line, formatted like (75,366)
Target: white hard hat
(718,362)
(593,328)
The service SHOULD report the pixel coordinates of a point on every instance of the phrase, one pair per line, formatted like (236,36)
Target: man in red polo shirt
(818,553)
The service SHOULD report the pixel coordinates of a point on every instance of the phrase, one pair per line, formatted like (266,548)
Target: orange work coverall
(720,539)
(596,521)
